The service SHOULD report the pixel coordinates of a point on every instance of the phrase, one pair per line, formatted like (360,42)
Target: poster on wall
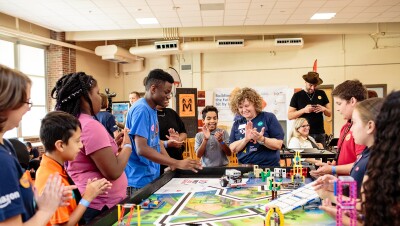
(187,105)
(274,101)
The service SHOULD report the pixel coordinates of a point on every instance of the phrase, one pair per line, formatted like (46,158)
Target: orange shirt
(49,166)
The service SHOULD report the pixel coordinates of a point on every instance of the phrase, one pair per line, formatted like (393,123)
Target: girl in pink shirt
(78,94)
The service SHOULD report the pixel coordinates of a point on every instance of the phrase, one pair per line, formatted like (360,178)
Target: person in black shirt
(172,132)
(311,104)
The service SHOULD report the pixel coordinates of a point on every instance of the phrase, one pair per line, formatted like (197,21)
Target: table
(309,153)
(199,200)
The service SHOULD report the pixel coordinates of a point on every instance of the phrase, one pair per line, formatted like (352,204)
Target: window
(30,60)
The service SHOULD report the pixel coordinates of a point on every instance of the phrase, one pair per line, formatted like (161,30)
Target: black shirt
(168,118)
(302,99)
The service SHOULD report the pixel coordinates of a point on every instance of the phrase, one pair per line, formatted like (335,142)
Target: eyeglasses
(304,126)
(29,103)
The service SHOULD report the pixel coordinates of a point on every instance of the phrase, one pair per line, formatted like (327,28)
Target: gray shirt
(214,155)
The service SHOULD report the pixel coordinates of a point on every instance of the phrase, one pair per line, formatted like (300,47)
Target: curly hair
(382,189)
(350,88)
(13,85)
(68,92)
(248,94)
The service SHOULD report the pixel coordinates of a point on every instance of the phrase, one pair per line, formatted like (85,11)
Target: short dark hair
(57,125)
(350,88)
(207,109)
(28,144)
(157,77)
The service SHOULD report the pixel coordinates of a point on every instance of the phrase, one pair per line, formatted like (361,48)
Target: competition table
(308,153)
(197,199)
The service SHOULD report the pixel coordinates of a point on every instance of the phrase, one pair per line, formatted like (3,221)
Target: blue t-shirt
(257,153)
(16,195)
(108,121)
(142,121)
(359,169)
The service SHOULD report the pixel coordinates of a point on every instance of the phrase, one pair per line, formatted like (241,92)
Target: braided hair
(68,92)
(382,200)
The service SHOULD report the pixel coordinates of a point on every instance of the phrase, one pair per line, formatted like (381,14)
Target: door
(328,121)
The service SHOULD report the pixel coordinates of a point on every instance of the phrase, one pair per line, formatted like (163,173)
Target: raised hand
(95,187)
(51,197)
(258,136)
(206,132)
(189,164)
(173,135)
(219,135)
(249,132)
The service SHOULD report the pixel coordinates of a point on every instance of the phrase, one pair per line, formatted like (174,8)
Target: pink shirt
(348,149)
(95,137)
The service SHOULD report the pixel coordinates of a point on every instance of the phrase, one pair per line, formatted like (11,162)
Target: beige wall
(339,58)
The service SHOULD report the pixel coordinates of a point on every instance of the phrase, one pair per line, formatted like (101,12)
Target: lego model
(232,178)
(347,204)
(152,204)
(257,171)
(277,215)
(265,174)
(297,176)
(121,210)
(274,187)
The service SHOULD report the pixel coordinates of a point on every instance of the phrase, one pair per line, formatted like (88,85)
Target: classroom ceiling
(100,15)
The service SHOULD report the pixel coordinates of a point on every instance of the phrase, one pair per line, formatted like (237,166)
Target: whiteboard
(276,97)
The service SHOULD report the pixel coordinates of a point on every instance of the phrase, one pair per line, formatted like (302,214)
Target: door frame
(332,105)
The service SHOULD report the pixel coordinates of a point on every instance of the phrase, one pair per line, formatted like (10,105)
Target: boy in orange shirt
(60,134)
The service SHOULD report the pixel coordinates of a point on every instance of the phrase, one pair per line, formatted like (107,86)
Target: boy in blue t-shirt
(147,153)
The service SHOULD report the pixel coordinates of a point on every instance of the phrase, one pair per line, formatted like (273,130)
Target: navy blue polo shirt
(359,169)
(16,195)
(257,153)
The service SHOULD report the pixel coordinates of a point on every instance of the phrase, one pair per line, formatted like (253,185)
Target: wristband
(128,146)
(84,203)
(222,142)
(165,144)
(334,170)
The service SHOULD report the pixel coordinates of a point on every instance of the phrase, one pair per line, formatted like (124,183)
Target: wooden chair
(190,148)
(233,161)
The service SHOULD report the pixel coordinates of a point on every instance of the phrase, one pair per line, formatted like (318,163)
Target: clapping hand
(206,132)
(219,135)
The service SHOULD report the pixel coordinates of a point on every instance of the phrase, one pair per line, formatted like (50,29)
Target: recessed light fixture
(146,21)
(323,16)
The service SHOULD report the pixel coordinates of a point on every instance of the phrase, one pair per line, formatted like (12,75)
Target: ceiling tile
(235,12)
(237,6)
(311,4)
(376,9)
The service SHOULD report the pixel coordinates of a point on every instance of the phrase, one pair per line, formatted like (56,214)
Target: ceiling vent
(167,45)
(230,43)
(289,42)
(115,54)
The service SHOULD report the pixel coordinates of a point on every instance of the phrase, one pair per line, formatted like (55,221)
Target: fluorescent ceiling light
(323,16)
(146,21)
